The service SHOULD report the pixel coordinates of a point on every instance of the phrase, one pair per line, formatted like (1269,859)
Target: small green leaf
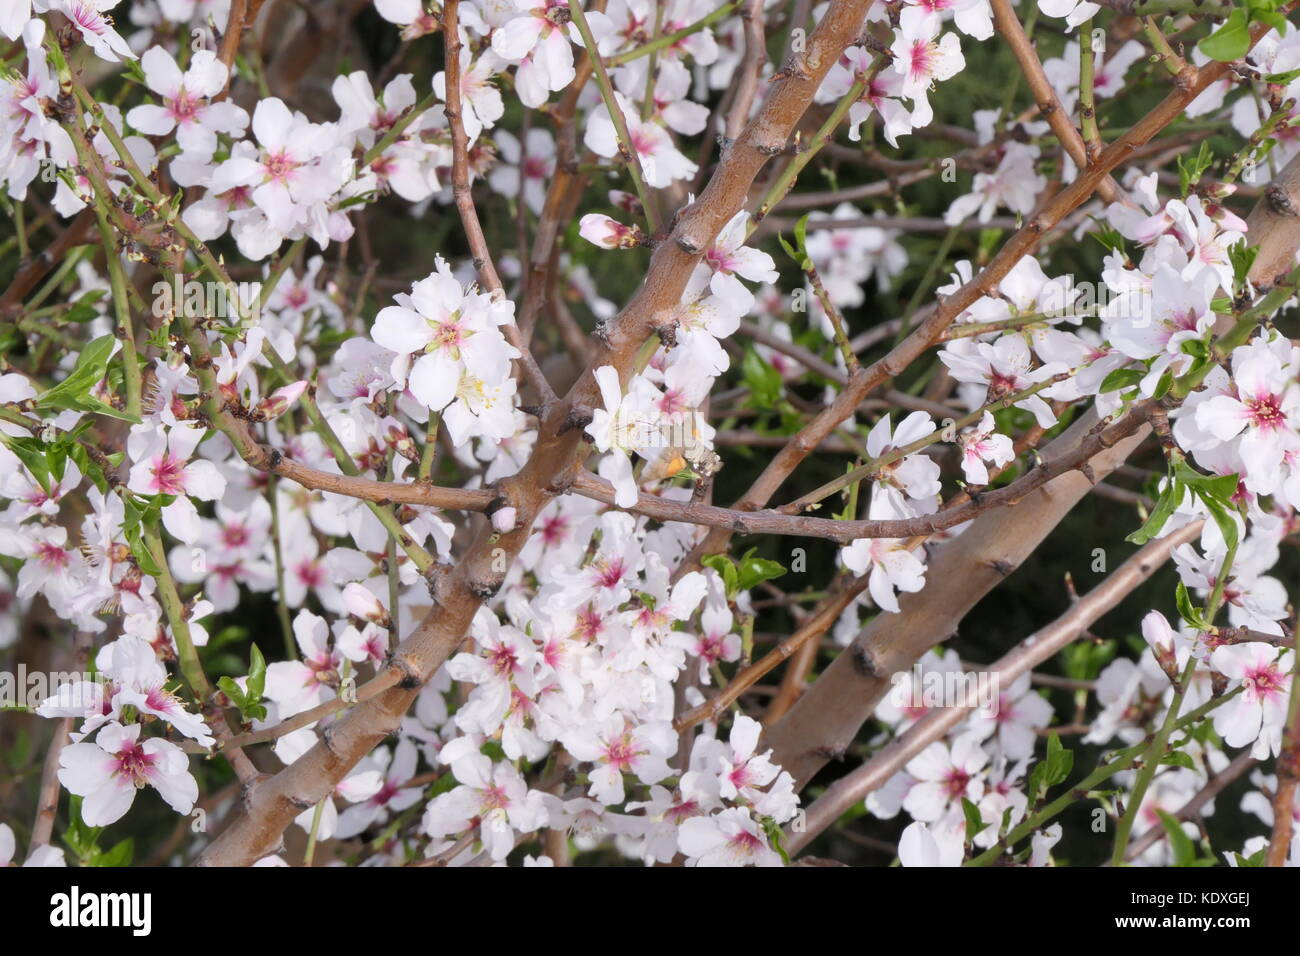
(1121,379)
(974,822)
(1184,849)
(1166,505)
(1231,41)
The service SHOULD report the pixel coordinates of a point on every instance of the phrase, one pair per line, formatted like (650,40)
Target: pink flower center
(135,764)
(1265,682)
(280,167)
(644,141)
(234,535)
(168,475)
(1266,412)
(503,659)
(957,781)
(555,530)
(51,555)
(610,573)
(184,108)
(309,573)
(922,59)
(621,753)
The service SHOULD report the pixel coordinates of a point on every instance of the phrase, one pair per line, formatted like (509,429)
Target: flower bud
(504,519)
(278,402)
(360,602)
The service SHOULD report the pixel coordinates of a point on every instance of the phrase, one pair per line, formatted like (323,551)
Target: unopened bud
(279,401)
(1158,633)
(504,519)
(360,602)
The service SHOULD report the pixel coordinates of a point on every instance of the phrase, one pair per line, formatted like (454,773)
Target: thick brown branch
(1034,650)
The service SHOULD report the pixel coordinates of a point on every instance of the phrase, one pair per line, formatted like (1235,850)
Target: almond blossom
(107,773)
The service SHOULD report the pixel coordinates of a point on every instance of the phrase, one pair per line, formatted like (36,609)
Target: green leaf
(73,393)
(1178,758)
(84,308)
(1186,610)
(754,570)
(763,380)
(1190,169)
(31,452)
(1224,519)
(256,673)
(1059,760)
(974,822)
(1242,257)
(121,854)
(776,836)
(726,569)
(1282,79)
(1121,379)
(248,699)
(1255,859)
(1184,849)
(1166,505)
(801,232)
(1231,41)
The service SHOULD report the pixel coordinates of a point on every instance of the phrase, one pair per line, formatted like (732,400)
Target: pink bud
(609,233)
(1160,636)
(628,202)
(503,520)
(360,602)
(278,402)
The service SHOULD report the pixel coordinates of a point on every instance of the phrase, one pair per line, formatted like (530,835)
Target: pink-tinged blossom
(480,100)
(186,106)
(525,169)
(944,777)
(982,444)
(727,261)
(921,60)
(1014,719)
(107,773)
(909,485)
(729,838)
(538,39)
(411,16)
(492,799)
(300,685)
(440,332)
(1014,185)
(1261,415)
(617,749)
(972,17)
(164,465)
(920,845)
(140,680)
(1006,367)
(742,769)
(396,769)
(661,162)
(881,95)
(95,27)
(300,165)
(891,567)
(1073,12)
(1254,718)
